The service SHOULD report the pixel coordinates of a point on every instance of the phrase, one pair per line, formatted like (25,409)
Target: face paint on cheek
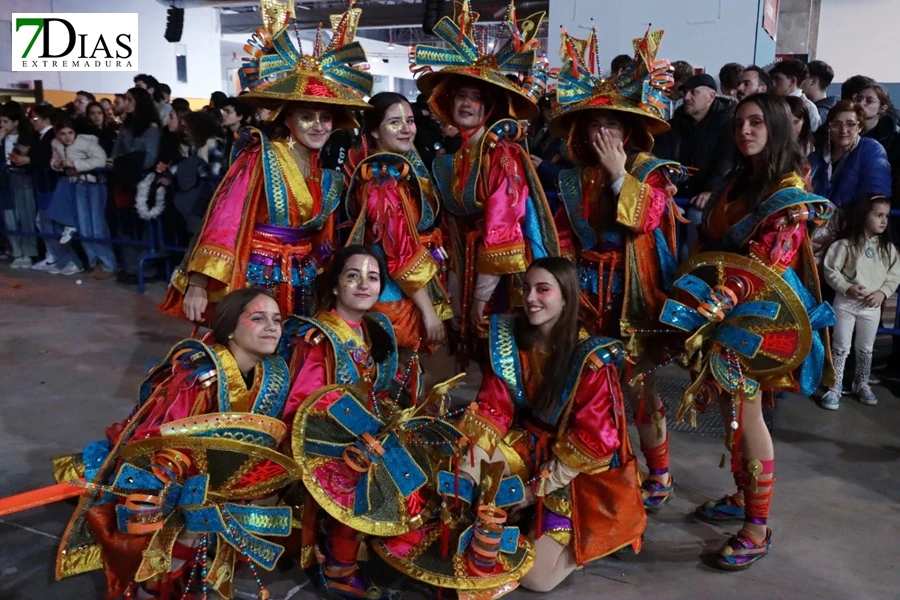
(309,121)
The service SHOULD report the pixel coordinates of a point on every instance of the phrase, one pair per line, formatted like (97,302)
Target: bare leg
(552,564)
(756,445)
(650,418)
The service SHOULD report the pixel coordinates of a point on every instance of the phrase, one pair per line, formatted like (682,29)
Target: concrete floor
(72,357)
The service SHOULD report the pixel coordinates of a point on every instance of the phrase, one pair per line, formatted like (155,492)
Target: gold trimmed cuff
(502,260)
(417,272)
(214,262)
(480,431)
(575,457)
(632,205)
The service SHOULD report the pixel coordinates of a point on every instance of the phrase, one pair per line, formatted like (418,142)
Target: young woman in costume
(617,218)
(270,223)
(345,345)
(229,382)
(764,214)
(550,410)
(496,214)
(394,208)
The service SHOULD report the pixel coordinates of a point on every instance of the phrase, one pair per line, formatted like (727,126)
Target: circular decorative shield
(237,451)
(368,467)
(736,307)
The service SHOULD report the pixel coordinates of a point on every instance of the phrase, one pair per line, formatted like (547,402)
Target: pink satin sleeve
(592,420)
(226,210)
(389,226)
(174,399)
(494,403)
(657,200)
(778,239)
(311,376)
(504,207)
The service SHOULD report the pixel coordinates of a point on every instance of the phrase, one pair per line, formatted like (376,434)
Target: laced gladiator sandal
(727,508)
(343,578)
(741,551)
(656,492)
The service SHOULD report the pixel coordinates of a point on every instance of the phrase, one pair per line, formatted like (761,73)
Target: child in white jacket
(864,270)
(78,156)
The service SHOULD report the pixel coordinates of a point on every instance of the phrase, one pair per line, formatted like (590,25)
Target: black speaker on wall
(174,24)
(434,10)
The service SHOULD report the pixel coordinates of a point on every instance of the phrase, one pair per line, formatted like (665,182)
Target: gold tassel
(754,467)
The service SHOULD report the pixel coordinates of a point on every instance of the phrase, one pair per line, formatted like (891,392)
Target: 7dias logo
(74,42)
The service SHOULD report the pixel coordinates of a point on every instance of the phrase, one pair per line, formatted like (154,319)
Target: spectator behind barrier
(753,80)
(846,164)
(19,205)
(787,78)
(800,122)
(816,85)
(730,78)
(98,125)
(881,122)
(853,85)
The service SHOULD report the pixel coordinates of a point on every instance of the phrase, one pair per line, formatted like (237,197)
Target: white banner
(75,42)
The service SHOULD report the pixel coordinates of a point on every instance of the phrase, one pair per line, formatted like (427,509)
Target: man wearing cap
(700,139)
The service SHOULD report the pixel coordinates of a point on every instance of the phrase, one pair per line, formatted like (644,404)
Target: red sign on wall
(770,17)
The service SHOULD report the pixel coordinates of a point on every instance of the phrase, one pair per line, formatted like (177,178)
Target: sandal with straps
(346,581)
(741,551)
(726,508)
(656,493)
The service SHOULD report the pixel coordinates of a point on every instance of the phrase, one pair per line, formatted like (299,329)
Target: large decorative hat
(468,57)
(639,91)
(277,71)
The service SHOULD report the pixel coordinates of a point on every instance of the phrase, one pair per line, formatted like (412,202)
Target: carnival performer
(618,217)
(270,223)
(390,197)
(152,473)
(550,408)
(344,344)
(496,214)
(764,214)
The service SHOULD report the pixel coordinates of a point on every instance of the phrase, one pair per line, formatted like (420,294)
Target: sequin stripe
(606,349)
(443,179)
(274,388)
(231,390)
(276,192)
(429,203)
(332,186)
(741,232)
(461,45)
(645,164)
(573,202)
(147,386)
(345,371)
(505,357)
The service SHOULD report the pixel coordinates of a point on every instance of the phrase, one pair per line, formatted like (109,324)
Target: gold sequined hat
(278,72)
(639,91)
(467,57)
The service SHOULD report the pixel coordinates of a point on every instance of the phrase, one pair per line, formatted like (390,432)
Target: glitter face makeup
(311,126)
(397,131)
(259,327)
(359,285)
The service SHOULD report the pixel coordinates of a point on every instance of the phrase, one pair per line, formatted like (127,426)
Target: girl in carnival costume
(394,207)
(270,224)
(758,312)
(370,480)
(496,214)
(618,218)
(178,457)
(549,412)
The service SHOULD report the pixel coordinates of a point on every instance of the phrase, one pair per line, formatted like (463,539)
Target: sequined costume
(269,224)
(394,207)
(622,232)
(595,510)
(200,439)
(496,212)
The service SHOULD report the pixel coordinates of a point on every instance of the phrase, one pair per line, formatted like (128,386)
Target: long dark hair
(799,110)
(145,112)
(326,284)
(855,227)
(198,127)
(780,157)
(564,337)
(229,311)
(372,119)
(14,111)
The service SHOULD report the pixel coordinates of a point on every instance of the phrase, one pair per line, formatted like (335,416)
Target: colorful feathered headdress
(468,56)
(639,91)
(277,71)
